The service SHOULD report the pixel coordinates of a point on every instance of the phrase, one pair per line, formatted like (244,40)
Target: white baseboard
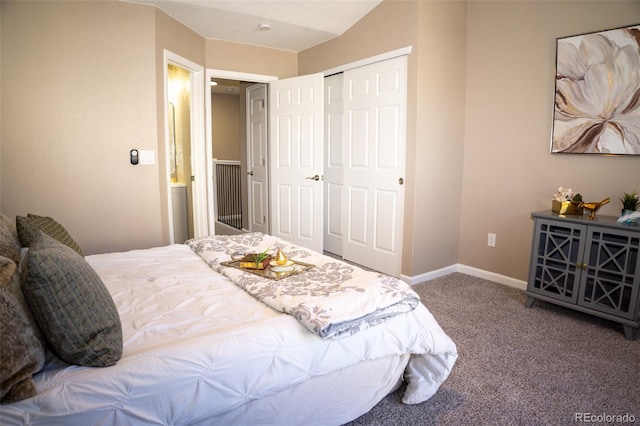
(428,276)
(469,270)
(492,276)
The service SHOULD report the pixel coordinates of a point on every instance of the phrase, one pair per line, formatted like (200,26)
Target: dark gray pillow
(28,228)
(22,346)
(71,304)
(9,243)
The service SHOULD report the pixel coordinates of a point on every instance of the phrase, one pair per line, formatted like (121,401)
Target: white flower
(564,194)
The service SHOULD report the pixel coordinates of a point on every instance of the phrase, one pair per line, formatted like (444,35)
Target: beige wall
(225,123)
(223,55)
(508,171)
(439,135)
(391,25)
(78,84)
(85,85)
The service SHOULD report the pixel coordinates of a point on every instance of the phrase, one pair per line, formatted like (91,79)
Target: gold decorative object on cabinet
(593,207)
(566,207)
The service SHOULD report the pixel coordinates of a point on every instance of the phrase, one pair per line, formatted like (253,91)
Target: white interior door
(257,164)
(374,139)
(333,163)
(296,149)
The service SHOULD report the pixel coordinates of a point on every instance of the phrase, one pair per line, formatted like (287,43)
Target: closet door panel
(374,139)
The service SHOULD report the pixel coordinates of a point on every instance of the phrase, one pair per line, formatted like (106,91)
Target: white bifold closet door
(373,144)
(344,193)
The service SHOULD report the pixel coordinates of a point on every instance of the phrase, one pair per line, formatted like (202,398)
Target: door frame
(207,156)
(403,51)
(199,185)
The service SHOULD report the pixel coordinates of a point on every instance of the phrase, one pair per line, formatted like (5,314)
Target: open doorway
(227,127)
(185,173)
(239,145)
(227,123)
(179,124)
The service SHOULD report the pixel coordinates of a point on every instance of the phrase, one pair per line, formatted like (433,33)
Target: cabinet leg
(630,332)
(530,301)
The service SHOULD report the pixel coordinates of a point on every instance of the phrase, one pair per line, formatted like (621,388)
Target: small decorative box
(249,262)
(566,207)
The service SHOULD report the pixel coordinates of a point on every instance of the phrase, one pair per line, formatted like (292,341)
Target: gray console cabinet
(590,265)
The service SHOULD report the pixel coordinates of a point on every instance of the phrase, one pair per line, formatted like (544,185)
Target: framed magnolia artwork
(597,93)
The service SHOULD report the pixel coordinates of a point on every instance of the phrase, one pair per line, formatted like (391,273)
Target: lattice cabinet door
(610,281)
(556,259)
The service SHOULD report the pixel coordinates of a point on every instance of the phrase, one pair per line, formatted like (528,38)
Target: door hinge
(193,178)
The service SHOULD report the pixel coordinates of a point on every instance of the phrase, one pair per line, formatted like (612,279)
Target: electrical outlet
(491,240)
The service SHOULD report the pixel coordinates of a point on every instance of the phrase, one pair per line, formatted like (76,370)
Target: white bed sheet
(199,350)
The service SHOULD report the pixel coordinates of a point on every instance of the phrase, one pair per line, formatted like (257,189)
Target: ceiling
(225,87)
(295,25)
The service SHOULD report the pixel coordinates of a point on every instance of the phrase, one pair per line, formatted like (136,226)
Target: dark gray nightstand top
(600,220)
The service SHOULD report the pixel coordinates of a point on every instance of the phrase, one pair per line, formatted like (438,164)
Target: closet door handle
(316,178)
(250,173)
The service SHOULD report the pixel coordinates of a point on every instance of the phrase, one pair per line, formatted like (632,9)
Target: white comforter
(196,346)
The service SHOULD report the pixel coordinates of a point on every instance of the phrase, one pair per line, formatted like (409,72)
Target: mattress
(200,350)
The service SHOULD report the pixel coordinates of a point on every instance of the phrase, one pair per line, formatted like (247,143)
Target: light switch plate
(147,157)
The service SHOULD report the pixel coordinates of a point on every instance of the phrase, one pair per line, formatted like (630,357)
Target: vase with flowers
(566,201)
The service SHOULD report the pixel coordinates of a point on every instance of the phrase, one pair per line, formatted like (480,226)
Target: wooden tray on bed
(268,272)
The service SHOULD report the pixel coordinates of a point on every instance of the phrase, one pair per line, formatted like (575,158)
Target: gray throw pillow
(71,304)
(29,226)
(9,243)
(22,347)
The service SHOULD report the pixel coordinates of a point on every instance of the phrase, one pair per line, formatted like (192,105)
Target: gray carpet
(520,366)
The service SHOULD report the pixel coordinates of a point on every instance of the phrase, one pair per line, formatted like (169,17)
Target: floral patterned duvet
(333,299)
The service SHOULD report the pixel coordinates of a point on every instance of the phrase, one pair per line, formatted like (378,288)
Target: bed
(199,348)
